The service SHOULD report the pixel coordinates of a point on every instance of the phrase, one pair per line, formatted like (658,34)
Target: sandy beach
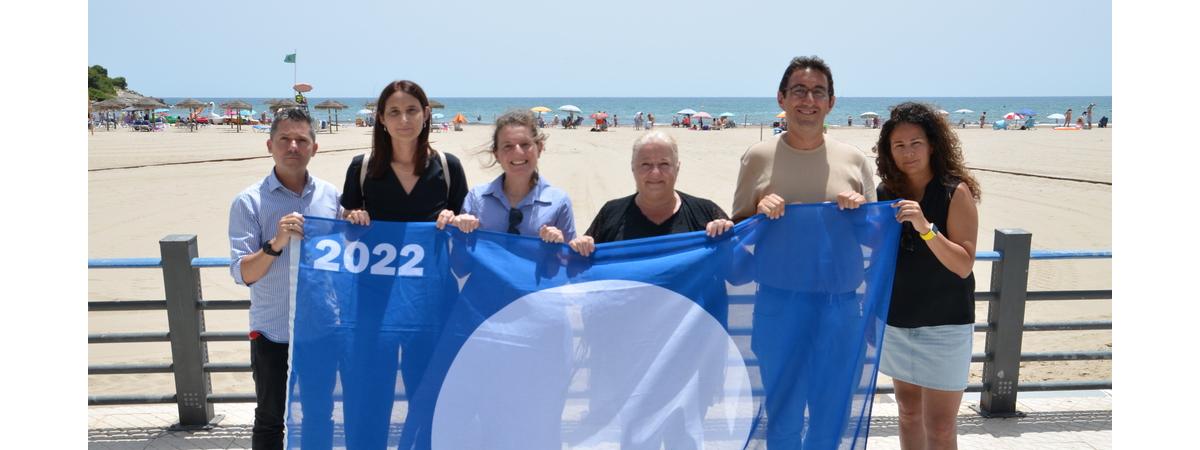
(144,186)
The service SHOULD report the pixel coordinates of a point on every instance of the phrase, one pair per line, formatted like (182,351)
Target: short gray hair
(294,114)
(658,136)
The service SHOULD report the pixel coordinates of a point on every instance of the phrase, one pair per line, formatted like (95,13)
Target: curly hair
(945,156)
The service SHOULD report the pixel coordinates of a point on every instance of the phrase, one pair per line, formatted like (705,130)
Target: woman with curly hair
(927,342)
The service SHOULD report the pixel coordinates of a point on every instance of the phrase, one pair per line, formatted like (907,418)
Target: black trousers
(269,367)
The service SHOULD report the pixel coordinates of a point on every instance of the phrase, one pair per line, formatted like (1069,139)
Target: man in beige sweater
(802,165)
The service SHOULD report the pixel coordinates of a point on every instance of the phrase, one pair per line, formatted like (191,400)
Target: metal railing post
(1006,318)
(186,321)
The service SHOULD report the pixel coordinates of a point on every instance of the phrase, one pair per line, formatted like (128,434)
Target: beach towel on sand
(408,337)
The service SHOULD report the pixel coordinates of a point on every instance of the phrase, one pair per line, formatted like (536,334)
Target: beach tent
(331,106)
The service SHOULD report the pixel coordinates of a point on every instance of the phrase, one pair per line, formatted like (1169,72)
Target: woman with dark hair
(406,180)
(927,342)
(519,201)
(402,179)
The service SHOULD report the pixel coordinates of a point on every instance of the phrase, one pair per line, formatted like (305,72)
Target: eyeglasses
(514,218)
(801,91)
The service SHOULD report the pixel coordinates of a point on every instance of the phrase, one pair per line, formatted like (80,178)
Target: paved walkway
(1055,420)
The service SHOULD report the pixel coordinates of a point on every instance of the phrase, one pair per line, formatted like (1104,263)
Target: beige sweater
(800,176)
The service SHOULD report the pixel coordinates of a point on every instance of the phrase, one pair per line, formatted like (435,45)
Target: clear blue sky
(622,48)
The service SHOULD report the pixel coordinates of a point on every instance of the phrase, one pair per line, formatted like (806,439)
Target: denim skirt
(937,357)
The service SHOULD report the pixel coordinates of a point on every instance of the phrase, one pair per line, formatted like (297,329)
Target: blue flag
(408,337)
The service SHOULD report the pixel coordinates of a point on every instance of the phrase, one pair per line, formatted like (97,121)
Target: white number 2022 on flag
(356,257)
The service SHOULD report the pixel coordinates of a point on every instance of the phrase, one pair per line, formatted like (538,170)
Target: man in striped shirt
(263,219)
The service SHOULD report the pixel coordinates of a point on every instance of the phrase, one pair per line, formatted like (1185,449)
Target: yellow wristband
(928,235)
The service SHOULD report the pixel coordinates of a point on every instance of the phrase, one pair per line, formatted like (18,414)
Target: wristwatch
(266,248)
(931,233)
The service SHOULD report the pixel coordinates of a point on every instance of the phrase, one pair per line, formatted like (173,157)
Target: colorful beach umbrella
(540,109)
(703,115)
(600,115)
(1027,112)
(781,115)
(460,118)
(1012,116)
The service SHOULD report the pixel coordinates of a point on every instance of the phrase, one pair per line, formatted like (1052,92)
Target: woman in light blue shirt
(519,201)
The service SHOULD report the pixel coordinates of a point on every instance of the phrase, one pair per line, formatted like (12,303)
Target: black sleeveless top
(925,293)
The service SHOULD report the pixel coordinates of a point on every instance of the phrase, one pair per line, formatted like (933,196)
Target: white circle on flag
(599,364)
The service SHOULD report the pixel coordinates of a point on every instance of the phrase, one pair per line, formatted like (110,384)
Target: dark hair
(381,141)
(294,114)
(945,153)
(806,62)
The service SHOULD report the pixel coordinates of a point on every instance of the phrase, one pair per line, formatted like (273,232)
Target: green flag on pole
(291,58)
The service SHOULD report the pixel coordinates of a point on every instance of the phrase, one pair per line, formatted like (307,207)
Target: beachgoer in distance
(849,120)
(1067,120)
(405,180)
(813,168)
(1088,114)
(982,119)
(649,120)
(263,219)
(1079,122)
(520,200)
(931,321)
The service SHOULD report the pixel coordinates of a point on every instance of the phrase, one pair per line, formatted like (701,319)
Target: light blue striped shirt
(253,218)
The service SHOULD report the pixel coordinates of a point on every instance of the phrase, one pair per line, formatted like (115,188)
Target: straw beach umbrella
(331,105)
(192,104)
(280,103)
(110,105)
(237,106)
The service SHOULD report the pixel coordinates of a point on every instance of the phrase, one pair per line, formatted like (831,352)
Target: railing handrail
(1004,327)
(208,262)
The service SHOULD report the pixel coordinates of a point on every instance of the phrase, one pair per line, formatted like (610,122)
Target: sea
(746,110)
